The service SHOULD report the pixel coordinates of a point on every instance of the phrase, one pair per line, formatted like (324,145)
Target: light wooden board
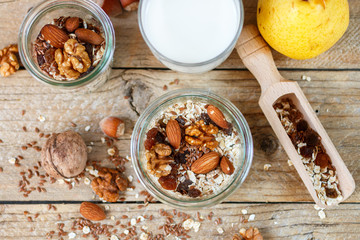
(132,52)
(334,94)
(275,221)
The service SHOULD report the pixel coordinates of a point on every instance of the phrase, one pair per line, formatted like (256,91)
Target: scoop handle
(255,52)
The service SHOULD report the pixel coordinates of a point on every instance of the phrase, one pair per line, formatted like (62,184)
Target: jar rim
(247,146)
(162,57)
(37,12)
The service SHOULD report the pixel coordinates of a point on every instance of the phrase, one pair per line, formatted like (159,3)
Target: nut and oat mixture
(73,58)
(193,168)
(313,154)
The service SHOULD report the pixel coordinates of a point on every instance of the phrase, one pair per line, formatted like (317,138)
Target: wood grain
(132,52)
(335,95)
(275,221)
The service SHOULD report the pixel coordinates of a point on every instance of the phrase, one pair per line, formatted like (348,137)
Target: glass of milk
(191,36)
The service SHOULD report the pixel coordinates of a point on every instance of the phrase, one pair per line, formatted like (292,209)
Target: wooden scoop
(257,57)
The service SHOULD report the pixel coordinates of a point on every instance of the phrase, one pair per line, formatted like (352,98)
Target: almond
(89,36)
(92,211)
(217,116)
(226,166)
(112,127)
(54,35)
(173,133)
(72,24)
(206,163)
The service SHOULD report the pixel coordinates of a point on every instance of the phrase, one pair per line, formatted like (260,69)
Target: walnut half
(9,63)
(73,60)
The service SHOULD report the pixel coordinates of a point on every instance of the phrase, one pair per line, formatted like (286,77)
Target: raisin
(206,118)
(331,193)
(322,160)
(194,193)
(312,138)
(181,121)
(160,138)
(150,140)
(40,59)
(183,187)
(228,131)
(168,182)
(89,49)
(49,55)
(180,158)
(152,133)
(302,125)
(278,106)
(149,143)
(306,151)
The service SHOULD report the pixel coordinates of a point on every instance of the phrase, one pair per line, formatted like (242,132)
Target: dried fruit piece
(206,163)
(322,160)
(92,211)
(168,182)
(173,133)
(72,24)
(217,116)
(54,35)
(112,126)
(226,166)
(89,36)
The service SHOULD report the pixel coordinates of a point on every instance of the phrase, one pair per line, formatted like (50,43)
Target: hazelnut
(112,127)
(64,155)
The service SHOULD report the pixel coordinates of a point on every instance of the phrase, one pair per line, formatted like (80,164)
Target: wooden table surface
(282,206)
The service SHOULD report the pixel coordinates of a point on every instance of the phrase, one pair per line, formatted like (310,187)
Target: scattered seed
(24,129)
(23,112)
(165,87)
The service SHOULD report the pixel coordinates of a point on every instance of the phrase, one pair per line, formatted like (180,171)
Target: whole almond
(54,35)
(217,116)
(226,166)
(72,24)
(89,36)
(173,133)
(206,163)
(92,211)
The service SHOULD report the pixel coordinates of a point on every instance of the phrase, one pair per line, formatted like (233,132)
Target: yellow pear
(302,29)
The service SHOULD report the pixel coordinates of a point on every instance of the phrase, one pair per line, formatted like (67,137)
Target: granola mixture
(173,166)
(308,144)
(74,59)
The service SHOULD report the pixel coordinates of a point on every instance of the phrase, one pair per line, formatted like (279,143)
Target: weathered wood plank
(334,94)
(132,52)
(275,221)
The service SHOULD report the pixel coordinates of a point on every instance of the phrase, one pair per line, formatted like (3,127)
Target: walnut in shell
(64,155)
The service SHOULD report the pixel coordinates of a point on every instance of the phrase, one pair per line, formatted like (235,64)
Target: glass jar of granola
(191,148)
(67,44)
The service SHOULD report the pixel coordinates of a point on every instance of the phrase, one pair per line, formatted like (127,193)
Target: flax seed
(20,157)
(1,169)
(24,147)
(47,135)
(37,130)
(29,219)
(1,141)
(24,129)
(41,135)
(26,212)
(23,112)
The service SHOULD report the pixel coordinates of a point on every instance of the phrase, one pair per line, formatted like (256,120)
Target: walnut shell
(64,155)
